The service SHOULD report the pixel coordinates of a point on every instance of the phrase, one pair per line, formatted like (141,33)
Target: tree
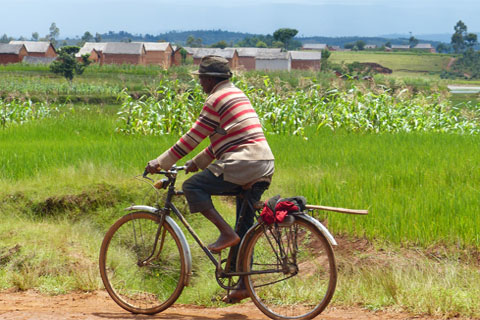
(284,35)
(471,40)
(388,44)
(261,44)
(5,39)
(443,48)
(35,36)
(278,44)
(360,44)
(184,54)
(324,61)
(459,38)
(66,63)
(412,41)
(98,37)
(220,44)
(87,36)
(193,42)
(53,34)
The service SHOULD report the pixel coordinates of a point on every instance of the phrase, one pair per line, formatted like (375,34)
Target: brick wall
(124,58)
(306,64)
(10,58)
(246,63)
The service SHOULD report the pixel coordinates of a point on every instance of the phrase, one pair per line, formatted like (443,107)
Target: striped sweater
(232,125)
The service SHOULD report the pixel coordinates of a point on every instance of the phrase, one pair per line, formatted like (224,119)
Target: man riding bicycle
(238,146)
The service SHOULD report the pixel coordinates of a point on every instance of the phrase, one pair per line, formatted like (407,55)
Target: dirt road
(98,306)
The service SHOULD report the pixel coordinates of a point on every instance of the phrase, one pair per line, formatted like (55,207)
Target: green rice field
(69,154)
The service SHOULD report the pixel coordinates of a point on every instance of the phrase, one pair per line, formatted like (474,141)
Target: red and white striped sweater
(232,124)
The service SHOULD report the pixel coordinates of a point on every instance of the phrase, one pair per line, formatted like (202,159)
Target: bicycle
(288,268)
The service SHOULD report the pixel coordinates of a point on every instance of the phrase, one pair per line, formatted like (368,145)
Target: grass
(408,64)
(420,187)
(64,180)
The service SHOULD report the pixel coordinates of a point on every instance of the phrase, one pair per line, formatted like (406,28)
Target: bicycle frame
(170,207)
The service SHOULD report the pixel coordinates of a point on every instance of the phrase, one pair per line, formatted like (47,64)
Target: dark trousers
(201,186)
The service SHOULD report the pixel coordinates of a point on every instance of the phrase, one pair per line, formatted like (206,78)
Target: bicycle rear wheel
(137,285)
(295,272)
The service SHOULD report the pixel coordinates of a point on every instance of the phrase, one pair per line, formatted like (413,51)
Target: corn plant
(284,110)
(19,112)
(170,110)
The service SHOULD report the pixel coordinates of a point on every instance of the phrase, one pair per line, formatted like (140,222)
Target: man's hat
(215,66)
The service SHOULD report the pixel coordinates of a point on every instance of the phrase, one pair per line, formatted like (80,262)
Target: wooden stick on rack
(341,210)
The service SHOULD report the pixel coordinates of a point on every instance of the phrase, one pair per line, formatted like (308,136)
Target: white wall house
(273,61)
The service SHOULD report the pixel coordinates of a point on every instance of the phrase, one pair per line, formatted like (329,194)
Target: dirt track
(98,306)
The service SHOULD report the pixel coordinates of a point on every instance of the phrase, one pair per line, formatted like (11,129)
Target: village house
(178,59)
(158,53)
(230,54)
(425,47)
(247,55)
(370,46)
(306,60)
(12,53)
(176,55)
(335,48)
(124,52)
(94,49)
(400,47)
(314,46)
(272,61)
(41,49)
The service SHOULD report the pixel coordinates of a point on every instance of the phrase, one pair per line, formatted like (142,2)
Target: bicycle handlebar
(173,169)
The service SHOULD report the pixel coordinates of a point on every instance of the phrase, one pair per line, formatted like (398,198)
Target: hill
(210,37)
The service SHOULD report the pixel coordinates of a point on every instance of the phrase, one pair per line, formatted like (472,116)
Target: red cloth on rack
(282,209)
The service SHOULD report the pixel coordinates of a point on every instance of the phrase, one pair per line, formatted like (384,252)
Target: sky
(329,18)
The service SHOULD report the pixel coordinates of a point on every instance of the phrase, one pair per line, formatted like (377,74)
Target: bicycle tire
(304,287)
(147,289)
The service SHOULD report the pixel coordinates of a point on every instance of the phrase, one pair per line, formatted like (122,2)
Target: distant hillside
(341,41)
(209,37)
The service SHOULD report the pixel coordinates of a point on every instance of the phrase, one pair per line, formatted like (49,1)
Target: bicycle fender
(320,226)
(185,247)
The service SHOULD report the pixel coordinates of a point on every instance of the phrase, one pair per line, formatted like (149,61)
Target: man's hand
(190,166)
(152,166)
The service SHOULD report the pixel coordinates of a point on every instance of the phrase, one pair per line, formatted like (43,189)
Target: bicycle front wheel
(293,270)
(139,279)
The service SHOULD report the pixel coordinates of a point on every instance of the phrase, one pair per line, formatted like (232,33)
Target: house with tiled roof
(42,49)
(273,61)
(124,52)
(314,46)
(247,55)
(12,53)
(425,47)
(94,49)
(400,47)
(230,54)
(305,60)
(158,53)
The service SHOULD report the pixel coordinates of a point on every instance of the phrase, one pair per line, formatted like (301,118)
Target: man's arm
(202,128)
(204,158)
